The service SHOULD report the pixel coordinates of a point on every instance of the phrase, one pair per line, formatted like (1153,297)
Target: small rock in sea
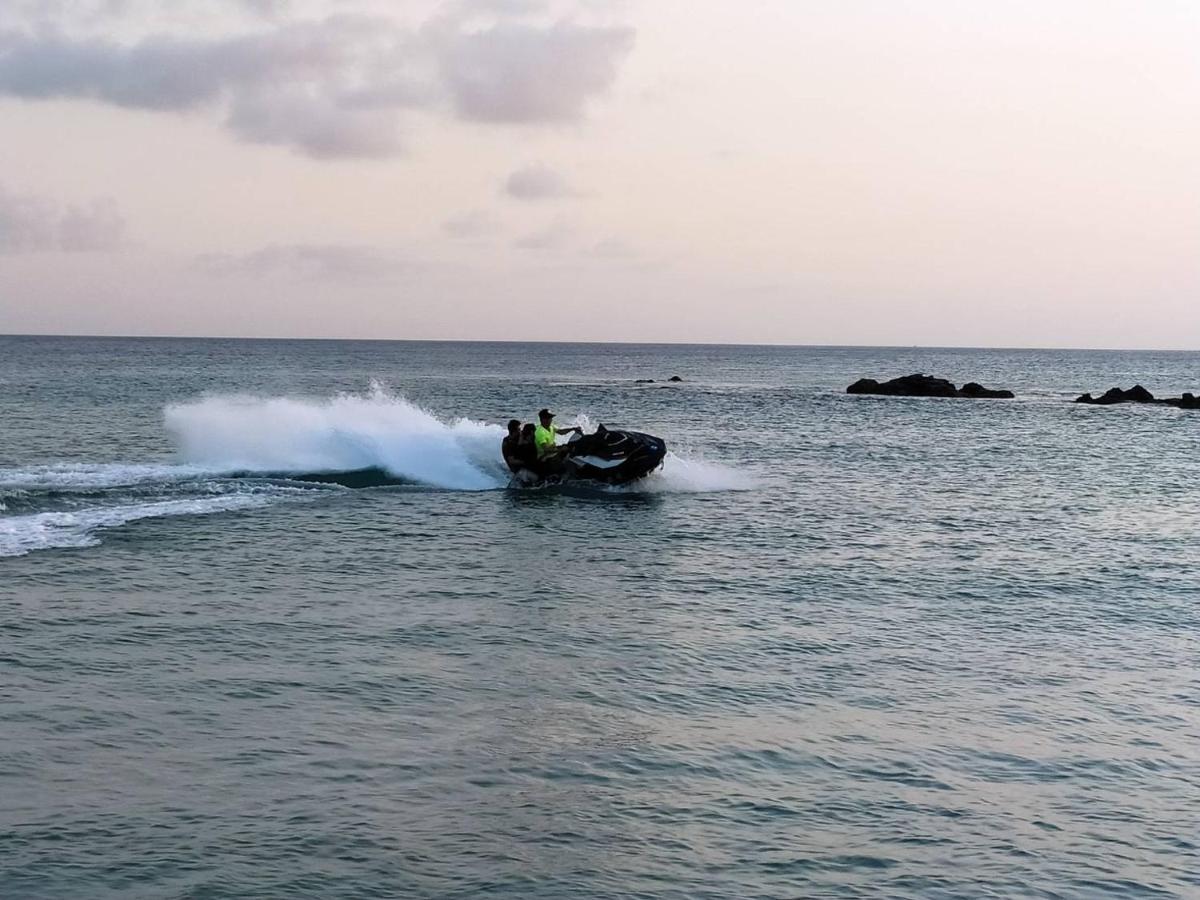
(1136,394)
(924,386)
(674,378)
(976,390)
(643,381)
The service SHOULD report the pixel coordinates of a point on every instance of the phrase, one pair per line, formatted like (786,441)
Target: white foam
(683,475)
(42,531)
(338,434)
(82,476)
(348,432)
(680,475)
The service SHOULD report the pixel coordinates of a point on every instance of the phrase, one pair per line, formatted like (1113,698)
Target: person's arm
(576,429)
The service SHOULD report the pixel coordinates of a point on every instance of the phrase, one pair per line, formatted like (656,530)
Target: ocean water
(838,647)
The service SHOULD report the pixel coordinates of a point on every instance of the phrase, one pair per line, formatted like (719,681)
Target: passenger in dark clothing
(510,447)
(527,449)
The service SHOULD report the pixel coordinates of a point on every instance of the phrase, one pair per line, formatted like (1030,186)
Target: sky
(898,172)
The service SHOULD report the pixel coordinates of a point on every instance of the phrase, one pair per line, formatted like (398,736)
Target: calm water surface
(839,647)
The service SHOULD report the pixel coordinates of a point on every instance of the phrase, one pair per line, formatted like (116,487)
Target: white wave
(42,531)
(339,434)
(680,475)
(82,476)
(348,432)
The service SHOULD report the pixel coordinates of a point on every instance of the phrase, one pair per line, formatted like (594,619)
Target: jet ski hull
(609,456)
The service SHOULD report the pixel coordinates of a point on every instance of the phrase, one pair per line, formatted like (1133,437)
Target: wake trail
(221,438)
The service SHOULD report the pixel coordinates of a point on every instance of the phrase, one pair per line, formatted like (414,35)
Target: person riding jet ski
(608,456)
(545,436)
(510,447)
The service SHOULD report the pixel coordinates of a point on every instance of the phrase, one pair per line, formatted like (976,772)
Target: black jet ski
(608,456)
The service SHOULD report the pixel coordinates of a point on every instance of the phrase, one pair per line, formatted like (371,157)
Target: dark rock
(923,386)
(643,381)
(908,386)
(975,390)
(864,386)
(1187,401)
(674,378)
(1136,394)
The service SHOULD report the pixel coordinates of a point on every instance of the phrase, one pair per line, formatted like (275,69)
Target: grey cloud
(537,182)
(531,74)
(97,226)
(26,223)
(34,224)
(332,88)
(265,7)
(471,225)
(503,7)
(316,125)
(555,236)
(336,87)
(612,248)
(326,262)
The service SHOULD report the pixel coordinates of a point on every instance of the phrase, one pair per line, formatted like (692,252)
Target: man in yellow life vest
(546,434)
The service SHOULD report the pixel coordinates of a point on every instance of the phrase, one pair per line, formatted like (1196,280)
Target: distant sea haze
(839,646)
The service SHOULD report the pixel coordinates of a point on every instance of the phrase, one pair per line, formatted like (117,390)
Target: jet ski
(607,456)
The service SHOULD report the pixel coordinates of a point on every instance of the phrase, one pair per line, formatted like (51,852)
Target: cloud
(325,262)
(612,248)
(503,7)
(35,224)
(555,236)
(537,182)
(319,126)
(336,87)
(308,86)
(98,226)
(471,225)
(521,73)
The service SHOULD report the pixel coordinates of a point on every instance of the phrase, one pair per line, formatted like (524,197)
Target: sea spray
(343,433)
(349,432)
(682,475)
(48,530)
(68,504)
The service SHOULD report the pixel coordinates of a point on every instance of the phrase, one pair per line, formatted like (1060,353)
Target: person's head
(514,428)
(545,417)
(527,431)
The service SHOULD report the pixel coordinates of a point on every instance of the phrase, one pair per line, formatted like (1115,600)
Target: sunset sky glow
(931,172)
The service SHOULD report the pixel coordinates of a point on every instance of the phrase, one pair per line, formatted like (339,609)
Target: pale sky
(933,172)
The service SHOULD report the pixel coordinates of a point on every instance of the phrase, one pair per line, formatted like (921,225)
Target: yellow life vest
(544,439)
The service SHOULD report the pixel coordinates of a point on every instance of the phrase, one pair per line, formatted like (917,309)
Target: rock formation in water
(925,386)
(975,389)
(1138,394)
(674,378)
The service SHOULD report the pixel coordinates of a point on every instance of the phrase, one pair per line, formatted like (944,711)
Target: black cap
(545,414)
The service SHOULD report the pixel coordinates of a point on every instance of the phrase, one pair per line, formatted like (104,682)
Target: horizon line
(667,343)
